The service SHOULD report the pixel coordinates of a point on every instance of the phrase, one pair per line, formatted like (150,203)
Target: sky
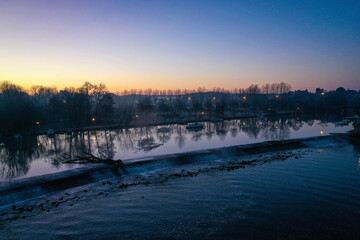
(180,44)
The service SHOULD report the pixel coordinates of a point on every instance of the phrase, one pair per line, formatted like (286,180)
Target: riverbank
(148,121)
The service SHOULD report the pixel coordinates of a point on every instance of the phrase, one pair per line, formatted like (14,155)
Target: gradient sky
(180,44)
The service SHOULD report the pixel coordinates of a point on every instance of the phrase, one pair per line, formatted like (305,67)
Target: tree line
(40,108)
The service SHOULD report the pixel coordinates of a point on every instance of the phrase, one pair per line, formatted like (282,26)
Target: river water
(313,194)
(38,155)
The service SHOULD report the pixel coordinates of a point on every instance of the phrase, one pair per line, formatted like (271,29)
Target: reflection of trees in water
(180,137)
(147,144)
(294,124)
(106,148)
(310,122)
(221,129)
(126,139)
(146,140)
(64,147)
(196,134)
(15,157)
(275,130)
(233,125)
(251,127)
(163,137)
(209,130)
(323,124)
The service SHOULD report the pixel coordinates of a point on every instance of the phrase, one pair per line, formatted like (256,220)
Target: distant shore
(159,121)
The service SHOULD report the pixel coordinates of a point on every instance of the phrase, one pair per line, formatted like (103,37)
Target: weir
(29,188)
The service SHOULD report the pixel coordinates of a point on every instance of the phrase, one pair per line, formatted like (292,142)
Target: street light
(93,119)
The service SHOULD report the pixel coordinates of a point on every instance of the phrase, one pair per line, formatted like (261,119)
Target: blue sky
(181,44)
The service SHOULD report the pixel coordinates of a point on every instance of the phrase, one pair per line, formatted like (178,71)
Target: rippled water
(316,196)
(38,155)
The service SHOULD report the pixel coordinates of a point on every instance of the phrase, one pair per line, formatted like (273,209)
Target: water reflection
(16,158)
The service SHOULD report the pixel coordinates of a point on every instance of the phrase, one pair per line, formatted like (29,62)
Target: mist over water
(38,155)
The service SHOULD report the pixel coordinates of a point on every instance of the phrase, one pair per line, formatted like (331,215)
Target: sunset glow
(180,44)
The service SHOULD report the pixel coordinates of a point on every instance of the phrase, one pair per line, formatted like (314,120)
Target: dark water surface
(38,155)
(313,196)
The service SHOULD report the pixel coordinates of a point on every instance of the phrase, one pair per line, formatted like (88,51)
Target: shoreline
(141,124)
